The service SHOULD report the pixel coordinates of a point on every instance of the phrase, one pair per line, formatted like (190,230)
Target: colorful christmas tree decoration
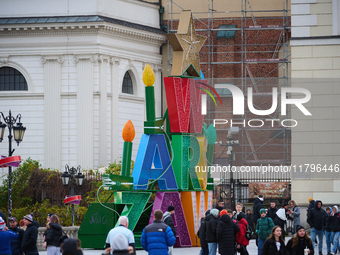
(186,45)
(128,134)
(153,163)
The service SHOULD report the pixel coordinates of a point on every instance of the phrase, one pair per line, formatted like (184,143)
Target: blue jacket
(5,241)
(16,243)
(157,237)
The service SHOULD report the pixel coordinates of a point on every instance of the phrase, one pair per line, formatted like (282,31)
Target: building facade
(80,65)
(315,48)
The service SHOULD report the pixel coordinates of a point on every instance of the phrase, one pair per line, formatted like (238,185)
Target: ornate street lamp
(73,173)
(18,132)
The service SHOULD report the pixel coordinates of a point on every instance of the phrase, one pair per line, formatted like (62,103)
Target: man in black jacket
(16,243)
(211,221)
(167,219)
(258,205)
(202,235)
(272,211)
(316,221)
(29,241)
(334,222)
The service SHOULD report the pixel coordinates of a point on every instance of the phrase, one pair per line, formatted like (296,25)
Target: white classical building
(73,70)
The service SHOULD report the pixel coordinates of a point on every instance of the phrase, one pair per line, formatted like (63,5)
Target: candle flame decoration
(128,132)
(148,76)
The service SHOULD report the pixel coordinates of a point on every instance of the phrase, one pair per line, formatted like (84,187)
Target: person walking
(242,241)
(294,214)
(167,219)
(328,230)
(334,221)
(5,238)
(281,218)
(299,242)
(258,205)
(123,222)
(211,221)
(225,233)
(316,221)
(16,243)
(202,235)
(264,227)
(249,219)
(274,245)
(157,237)
(272,211)
(52,236)
(29,240)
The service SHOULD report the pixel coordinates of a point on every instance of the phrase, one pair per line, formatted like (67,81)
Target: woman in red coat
(241,239)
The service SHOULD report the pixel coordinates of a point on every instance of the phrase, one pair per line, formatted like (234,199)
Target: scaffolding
(258,61)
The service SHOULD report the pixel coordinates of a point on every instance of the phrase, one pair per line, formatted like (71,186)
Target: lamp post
(74,173)
(18,132)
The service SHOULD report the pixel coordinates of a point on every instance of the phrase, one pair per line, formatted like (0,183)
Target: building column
(116,90)
(52,114)
(85,110)
(104,65)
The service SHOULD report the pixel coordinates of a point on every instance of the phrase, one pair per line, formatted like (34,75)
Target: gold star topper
(186,46)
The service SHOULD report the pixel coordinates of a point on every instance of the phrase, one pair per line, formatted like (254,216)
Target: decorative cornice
(92,57)
(115,60)
(45,59)
(16,30)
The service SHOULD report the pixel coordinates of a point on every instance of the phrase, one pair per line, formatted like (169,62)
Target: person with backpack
(264,227)
(249,219)
(334,220)
(241,238)
(202,235)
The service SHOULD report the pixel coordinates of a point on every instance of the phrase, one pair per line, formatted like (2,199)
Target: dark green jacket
(264,227)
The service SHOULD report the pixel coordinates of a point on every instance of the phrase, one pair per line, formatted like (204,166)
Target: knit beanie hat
(223,212)
(310,199)
(214,212)
(120,243)
(263,211)
(298,227)
(171,208)
(2,224)
(28,217)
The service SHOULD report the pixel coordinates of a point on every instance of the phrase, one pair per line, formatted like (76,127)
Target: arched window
(11,79)
(127,84)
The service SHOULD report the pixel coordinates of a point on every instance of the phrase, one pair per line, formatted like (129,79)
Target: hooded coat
(29,241)
(310,206)
(167,218)
(53,234)
(226,235)
(258,205)
(203,233)
(211,223)
(316,217)
(334,221)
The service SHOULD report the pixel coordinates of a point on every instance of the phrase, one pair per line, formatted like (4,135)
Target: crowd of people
(21,239)
(221,230)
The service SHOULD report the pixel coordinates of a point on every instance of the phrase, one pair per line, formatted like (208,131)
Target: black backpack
(249,233)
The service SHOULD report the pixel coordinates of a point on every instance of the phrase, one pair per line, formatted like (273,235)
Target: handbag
(62,238)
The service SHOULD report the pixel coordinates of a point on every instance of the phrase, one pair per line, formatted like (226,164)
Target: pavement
(252,250)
